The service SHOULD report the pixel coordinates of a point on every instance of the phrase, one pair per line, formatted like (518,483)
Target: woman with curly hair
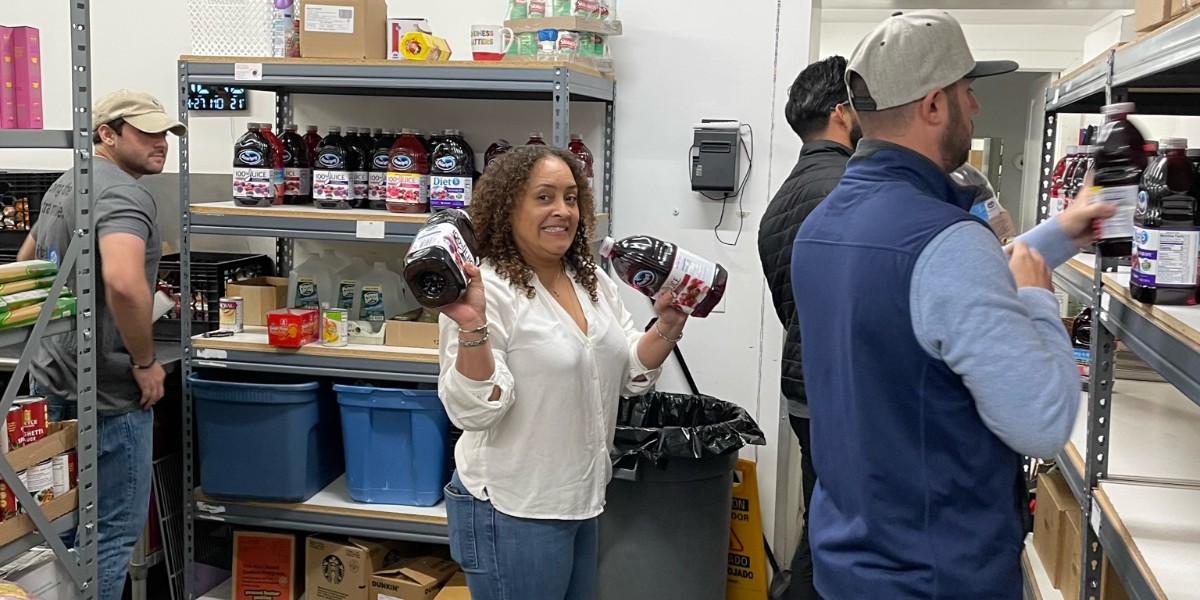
(534,359)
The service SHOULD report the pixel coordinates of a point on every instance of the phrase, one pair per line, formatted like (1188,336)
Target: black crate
(211,271)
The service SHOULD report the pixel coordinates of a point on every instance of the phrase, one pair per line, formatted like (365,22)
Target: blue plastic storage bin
(273,438)
(395,444)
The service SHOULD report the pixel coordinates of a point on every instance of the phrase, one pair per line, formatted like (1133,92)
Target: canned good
(64,473)
(39,480)
(233,314)
(27,421)
(335,331)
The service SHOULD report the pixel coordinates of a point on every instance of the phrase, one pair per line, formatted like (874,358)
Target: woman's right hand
(470,311)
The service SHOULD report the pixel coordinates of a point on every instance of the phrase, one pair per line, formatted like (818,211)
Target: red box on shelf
(8,80)
(293,327)
(27,68)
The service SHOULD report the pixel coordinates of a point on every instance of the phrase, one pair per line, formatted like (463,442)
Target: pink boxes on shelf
(20,78)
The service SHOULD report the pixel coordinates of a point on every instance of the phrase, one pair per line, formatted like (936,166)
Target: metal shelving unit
(331,510)
(1161,73)
(79,261)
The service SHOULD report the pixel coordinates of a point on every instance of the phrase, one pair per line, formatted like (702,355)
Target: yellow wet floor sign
(747,567)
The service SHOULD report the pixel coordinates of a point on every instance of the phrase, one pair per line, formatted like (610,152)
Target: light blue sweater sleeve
(1008,345)
(1049,239)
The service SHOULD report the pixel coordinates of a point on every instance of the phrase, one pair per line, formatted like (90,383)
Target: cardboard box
(17,527)
(1111,587)
(1070,559)
(41,574)
(417,578)
(266,565)
(27,72)
(397,29)
(343,29)
(1054,500)
(8,80)
(293,327)
(62,436)
(455,589)
(1149,15)
(411,334)
(260,295)
(340,568)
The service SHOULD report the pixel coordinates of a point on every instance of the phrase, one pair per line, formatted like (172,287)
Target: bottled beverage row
(398,170)
(1156,188)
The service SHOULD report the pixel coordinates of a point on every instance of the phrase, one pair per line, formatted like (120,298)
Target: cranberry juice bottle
(651,265)
(311,139)
(278,183)
(433,267)
(252,168)
(408,175)
(331,175)
(1166,229)
(536,139)
(496,150)
(452,167)
(581,152)
(357,162)
(1058,201)
(297,170)
(377,176)
(1119,163)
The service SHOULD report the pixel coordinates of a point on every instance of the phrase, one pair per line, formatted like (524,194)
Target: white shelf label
(369,230)
(211,353)
(247,72)
(1096,516)
(212,509)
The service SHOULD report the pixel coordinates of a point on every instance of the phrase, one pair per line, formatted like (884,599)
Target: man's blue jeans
(508,558)
(124,468)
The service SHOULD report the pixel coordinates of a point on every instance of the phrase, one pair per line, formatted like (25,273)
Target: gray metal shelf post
(185,320)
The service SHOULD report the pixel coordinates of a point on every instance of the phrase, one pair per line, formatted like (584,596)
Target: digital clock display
(217,98)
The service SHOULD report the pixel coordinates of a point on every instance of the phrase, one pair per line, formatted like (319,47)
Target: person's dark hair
(818,90)
(116,124)
(495,200)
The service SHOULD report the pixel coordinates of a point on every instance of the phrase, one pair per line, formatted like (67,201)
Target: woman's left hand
(670,318)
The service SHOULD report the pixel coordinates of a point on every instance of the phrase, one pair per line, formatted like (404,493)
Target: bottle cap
(1173,144)
(407,131)
(334,129)
(606,247)
(1120,108)
(535,134)
(291,127)
(310,127)
(1193,152)
(350,130)
(576,136)
(388,132)
(451,132)
(1072,150)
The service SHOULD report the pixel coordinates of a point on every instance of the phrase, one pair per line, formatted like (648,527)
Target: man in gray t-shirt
(130,138)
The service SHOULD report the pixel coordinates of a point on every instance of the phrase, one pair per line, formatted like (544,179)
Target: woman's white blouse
(542,450)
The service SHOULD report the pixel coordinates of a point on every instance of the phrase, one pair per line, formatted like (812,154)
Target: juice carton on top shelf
(8,80)
(27,68)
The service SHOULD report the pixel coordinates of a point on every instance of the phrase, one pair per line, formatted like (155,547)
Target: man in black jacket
(818,109)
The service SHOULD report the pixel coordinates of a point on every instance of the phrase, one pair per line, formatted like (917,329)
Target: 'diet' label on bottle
(306,293)
(450,191)
(1124,197)
(345,299)
(446,237)
(252,183)
(691,279)
(331,185)
(1165,257)
(371,307)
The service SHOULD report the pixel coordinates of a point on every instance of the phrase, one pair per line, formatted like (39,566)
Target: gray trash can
(664,533)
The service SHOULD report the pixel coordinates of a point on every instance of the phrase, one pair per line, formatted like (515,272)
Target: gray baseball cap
(911,54)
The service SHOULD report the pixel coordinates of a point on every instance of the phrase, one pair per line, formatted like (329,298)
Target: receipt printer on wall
(714,156)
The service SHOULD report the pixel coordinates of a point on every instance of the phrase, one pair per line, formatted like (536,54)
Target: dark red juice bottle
(1166,229)
(586,161)
(496,150)
(331,175)
(311,139)
(651,265)
(297,170)
(1058,201)
(433,267)
(536,139)
(252,168)
(377,176)
(1119,162)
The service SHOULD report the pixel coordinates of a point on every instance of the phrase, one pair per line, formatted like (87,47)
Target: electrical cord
(737,193)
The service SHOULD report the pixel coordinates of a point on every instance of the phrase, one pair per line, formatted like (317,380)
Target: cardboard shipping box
(1111,587)
(260,295)
(411,334)
(267,565)
(417,578)
(1149,15)
(343,29)
(340,568)
(1070,560)
(1054,501)
(455,589)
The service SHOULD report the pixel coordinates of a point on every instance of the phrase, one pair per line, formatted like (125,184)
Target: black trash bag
(659,425)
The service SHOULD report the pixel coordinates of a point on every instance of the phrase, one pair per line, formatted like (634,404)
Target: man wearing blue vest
(932,361)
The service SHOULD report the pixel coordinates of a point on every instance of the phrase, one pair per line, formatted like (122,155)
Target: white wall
(672,72)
